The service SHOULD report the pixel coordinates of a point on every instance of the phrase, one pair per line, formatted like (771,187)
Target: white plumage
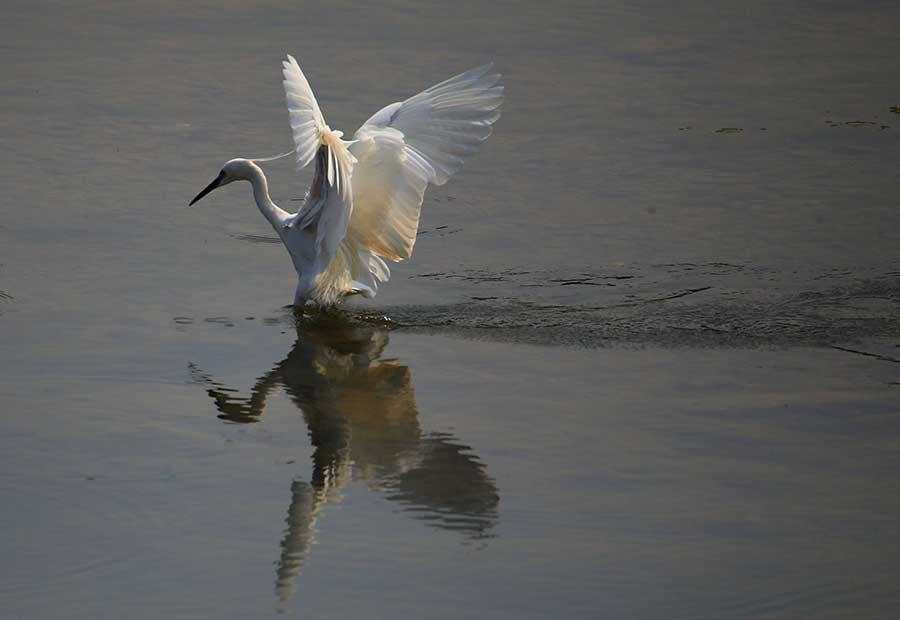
(363,204)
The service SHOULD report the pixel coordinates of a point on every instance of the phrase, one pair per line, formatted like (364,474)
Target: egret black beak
(216,182)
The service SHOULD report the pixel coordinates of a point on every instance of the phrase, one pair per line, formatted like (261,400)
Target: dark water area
(715,304)
(644,362)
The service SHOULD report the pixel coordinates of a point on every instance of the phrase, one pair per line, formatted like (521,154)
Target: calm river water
(644,363)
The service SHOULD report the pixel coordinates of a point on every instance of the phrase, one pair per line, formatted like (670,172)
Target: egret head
(233,170)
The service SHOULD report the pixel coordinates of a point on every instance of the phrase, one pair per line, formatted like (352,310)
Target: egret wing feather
(389,183)
(310,131)
(329,203)
(307,122)
(407,145)
(447,122)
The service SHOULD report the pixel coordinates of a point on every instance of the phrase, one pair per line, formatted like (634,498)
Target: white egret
(363,204)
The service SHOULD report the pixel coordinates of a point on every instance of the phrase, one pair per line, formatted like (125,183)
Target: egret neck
(271,211)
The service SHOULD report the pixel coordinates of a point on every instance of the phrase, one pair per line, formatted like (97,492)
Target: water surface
(643,364)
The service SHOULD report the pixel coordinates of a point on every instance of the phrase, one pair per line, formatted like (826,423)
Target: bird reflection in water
(360,410)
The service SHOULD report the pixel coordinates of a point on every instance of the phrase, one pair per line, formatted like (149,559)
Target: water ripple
(713,304)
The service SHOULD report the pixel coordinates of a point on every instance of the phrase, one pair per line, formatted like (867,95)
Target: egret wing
(330,199)
(310,131)
(307,122)
(407,145)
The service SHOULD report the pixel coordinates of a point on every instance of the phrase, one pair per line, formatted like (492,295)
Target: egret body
(362,207)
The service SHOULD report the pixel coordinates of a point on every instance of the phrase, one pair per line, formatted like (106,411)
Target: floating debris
(856,124)
(257,238)
(440,231)
(730,130)
(217,319)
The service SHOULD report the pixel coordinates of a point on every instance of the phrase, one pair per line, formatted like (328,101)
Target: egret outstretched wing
(330,201)
(407,145)
(307,122)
